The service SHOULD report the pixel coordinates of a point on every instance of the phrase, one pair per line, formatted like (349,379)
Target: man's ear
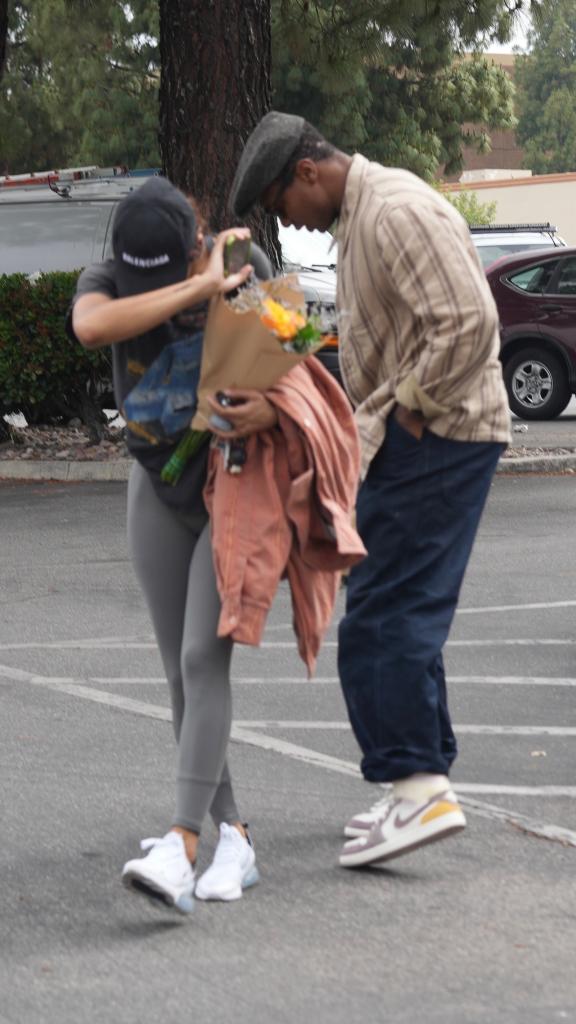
(307,171)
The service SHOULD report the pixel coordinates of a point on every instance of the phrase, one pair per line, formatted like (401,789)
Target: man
(419,357)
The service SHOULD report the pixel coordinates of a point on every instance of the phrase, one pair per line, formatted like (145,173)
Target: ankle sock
(420,786)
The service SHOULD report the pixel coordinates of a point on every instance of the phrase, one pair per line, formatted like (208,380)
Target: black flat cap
(265,156)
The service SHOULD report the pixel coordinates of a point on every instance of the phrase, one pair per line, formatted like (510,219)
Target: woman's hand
(253,413)
(215,268)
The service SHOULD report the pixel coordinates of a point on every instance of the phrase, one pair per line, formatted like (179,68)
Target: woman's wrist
(205,285)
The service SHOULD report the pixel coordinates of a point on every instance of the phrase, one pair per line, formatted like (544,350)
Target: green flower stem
(187,447)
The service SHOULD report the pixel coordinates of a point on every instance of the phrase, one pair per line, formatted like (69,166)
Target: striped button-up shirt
(417,322)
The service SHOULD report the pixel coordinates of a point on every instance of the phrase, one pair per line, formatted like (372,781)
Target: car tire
(537,384)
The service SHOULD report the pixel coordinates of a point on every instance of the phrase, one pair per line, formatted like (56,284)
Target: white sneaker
(361,824)
(232,870)
(165,874)
(403,826)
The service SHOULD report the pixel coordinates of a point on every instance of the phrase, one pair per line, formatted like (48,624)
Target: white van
(64,225)
(62,220)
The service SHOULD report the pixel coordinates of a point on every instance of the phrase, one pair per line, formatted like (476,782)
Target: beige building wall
(536,199)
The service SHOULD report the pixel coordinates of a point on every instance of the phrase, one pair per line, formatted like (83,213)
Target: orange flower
(284,322)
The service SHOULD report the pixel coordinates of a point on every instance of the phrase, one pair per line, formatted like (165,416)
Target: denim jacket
(164,399)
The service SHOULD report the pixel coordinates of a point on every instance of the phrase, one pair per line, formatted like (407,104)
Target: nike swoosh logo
(402,822)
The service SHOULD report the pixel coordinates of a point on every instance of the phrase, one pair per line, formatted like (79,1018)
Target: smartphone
(224,400)
(236,254)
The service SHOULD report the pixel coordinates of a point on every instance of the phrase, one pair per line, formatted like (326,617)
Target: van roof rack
(74,175)
(513,227)
(91,173)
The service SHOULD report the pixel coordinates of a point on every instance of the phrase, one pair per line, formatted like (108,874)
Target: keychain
(233,451)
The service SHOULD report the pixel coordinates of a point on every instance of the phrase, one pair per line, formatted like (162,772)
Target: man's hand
(253,414)
(413,422)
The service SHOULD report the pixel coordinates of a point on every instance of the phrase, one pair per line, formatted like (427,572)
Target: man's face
(303,203)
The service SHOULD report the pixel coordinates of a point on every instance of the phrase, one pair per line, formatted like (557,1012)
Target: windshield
(307,248)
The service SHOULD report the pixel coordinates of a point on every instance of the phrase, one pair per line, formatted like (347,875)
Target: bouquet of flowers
(254,338)
(250,341)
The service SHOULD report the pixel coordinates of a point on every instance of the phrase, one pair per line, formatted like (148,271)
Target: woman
(153,295)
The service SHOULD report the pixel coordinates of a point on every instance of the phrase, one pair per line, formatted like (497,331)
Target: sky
(518,39)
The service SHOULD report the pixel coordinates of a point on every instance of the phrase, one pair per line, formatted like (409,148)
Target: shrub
(467,203)
(473,211)
(43,374)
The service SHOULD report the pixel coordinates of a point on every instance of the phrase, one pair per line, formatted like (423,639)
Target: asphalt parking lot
(560,432)
(481,928)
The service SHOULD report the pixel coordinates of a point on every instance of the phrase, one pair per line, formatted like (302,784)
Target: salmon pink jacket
(288,513)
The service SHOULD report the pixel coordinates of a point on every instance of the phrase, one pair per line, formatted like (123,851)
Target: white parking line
(549,681)
(79,689)
(477,730)
(543,831)
(509,642)
(536,606)
(82,645)
(249,737)
(322,680)
(484,680)
(150,645)
(146,641)
(299,753)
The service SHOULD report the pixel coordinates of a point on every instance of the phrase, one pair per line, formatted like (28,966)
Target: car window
(534,279)
(565,282)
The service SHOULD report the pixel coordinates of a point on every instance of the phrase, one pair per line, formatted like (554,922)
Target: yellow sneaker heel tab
(444,807)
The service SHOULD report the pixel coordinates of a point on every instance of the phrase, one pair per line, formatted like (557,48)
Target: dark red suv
(536,297)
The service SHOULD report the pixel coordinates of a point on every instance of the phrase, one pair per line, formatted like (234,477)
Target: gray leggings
(176,573)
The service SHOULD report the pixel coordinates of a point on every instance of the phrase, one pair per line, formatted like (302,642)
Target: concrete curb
(67,472)
(119,469)
(538,464)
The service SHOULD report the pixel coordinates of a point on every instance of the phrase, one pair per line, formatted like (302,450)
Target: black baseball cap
(153,236)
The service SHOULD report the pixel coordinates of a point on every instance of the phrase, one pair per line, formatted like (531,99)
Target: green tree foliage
(468,204)
(384,76)
(80,84)
(390,77)
(546,83)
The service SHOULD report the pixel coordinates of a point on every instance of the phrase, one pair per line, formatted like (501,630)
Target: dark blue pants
(418,511)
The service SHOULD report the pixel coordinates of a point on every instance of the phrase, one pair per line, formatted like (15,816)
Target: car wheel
(537,384)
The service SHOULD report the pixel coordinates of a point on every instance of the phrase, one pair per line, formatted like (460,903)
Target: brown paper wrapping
(239,352)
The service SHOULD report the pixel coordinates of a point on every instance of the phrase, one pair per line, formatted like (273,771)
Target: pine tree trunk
(214,88)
